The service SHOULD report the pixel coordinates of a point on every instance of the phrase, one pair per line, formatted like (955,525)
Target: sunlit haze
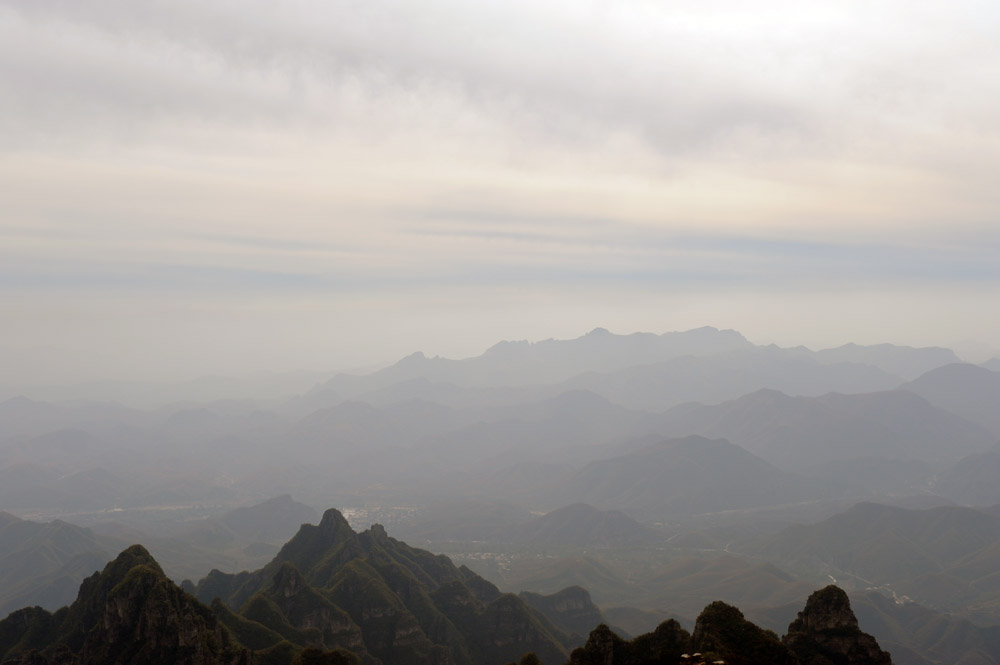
(198,188)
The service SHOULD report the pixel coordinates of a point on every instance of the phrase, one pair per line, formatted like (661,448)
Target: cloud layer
(454,172)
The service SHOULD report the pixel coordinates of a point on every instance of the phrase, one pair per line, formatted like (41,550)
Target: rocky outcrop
(129,613)
(722,633)
(604,647)
(826,632)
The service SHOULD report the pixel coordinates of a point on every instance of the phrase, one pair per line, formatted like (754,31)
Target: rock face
(604,647)
(826,632)
(723,633)
(129,613)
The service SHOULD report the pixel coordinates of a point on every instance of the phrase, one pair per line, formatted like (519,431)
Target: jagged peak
(413,358)
(378,534)
(333,521)
(827,631)
(132,556)
(826,609)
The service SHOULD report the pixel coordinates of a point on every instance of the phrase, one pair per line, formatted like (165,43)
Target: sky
(195,188)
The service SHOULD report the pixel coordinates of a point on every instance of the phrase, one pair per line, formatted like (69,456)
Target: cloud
(464,154)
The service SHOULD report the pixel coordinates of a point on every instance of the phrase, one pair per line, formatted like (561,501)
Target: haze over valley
(499,333)
(659,472)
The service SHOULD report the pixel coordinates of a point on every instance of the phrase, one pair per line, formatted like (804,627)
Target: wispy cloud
(488,154)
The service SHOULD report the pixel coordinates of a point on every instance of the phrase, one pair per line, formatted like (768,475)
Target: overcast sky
(195,187)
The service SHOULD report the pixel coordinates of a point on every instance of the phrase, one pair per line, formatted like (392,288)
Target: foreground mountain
(129,613)
(825,632)
(338,597)
(381,599)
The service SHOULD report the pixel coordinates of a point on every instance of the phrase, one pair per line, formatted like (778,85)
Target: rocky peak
(723,632)
(129,613)
(826,631)
(378,534)
(334,522)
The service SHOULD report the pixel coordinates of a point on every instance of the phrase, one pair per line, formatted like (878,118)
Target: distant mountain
(916,635)
(23,417)
(905,362)
(570,609)
(43,563)
(380,599)
(462,518)
(945,557)
(129,613)
(970,391)
(797,433)
(545,362)
(726,376)
(272,521)
(641,370)
(992,364)
(972,480)
(685,476)
(683,585)
(581,525)
(567,427)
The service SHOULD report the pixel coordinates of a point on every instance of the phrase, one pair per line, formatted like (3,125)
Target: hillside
(685,476)
(129,613)
(944,558)
(43,563)
(382,599)
(802,433)
(581,525)
(970,391)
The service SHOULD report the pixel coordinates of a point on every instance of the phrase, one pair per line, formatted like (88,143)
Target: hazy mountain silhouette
(970,391)
(581,525)
(797,433)
(906,362)
(726,376)
(686,476)
(945,558)
(44,563)
(548,361)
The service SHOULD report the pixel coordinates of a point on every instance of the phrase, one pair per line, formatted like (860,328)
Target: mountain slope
(406,604)
(797,433)
(944,557)
(128,613)
(970,391)
(581,525)
(684,476)
(44,563)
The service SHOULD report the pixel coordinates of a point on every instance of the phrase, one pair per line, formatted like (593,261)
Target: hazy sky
(192,187)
